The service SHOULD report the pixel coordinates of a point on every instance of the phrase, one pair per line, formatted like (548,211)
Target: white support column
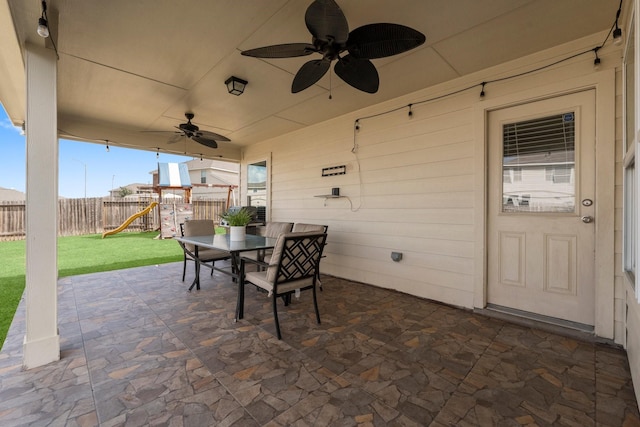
(41,342)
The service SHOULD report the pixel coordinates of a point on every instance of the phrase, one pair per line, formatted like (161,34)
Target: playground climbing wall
(171,216)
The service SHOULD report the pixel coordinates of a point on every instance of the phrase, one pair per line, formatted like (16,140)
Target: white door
(541,198)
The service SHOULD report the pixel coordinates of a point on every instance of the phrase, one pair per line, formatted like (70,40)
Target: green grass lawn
(81,255)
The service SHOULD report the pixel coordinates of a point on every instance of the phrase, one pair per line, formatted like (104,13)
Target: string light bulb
(157,152)
(596,61)
(358,124)
(107,147)
(617,32)
(43,26)
(617,36)
(482,90)
(410,114)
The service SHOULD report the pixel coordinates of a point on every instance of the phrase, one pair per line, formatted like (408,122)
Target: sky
(104,170)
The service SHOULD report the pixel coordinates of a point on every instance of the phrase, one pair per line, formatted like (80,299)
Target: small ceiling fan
(331,38)
(189,130)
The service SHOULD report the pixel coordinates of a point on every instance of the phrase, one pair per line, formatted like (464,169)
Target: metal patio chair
(293,267)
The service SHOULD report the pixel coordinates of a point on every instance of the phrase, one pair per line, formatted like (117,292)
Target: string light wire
(496,80)
(357,122)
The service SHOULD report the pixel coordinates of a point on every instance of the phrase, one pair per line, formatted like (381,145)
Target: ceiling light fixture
(43,26)
(235,85)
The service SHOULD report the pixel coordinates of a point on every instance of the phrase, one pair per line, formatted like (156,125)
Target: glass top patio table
(223,242)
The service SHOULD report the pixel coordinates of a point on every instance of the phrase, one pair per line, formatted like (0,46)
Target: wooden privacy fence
(96,215)
(12,220)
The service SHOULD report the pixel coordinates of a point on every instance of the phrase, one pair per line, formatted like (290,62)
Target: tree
(124,191)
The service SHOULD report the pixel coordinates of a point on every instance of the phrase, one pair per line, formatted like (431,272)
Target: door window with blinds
(538,165)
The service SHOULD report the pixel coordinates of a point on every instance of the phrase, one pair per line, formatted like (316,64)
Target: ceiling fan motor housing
(189,127)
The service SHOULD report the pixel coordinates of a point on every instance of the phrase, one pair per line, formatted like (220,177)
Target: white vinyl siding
(627,203)
(412,185)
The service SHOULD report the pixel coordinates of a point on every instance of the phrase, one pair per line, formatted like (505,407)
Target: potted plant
(237,221)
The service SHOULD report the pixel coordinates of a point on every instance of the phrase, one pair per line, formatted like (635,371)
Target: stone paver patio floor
(137,349)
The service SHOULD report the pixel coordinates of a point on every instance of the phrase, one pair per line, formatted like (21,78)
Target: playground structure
(171,213)
(129,220)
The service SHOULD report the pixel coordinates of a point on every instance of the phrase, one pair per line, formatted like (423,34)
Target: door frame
(603,83)
(244,179)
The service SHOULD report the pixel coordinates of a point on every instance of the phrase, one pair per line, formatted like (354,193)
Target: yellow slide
(130,220)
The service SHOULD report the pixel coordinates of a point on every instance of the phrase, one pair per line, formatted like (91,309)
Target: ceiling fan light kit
(331,38)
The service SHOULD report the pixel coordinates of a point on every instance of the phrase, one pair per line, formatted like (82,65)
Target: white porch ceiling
(128,66)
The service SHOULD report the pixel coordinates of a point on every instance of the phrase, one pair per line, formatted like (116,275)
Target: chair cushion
(259,278)
(272,270)
(275,229)
(198,227)
(299,227)
(212,255)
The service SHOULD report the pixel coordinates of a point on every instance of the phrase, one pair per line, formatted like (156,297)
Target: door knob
(587,219)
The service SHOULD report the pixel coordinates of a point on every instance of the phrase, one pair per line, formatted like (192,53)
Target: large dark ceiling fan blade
(287,50)
(175,137)
(309,74)
(380,40)
(210,135)
(206,142)
(326,21)
(359,73)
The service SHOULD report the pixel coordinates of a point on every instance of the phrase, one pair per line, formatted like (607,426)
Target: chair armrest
(186,251)
(253,261)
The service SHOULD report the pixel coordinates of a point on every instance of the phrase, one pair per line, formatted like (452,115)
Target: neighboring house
(257,193)
(11,195)
(135,191)
(211,179)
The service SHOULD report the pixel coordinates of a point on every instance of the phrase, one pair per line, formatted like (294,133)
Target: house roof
(11,195)
(128,66)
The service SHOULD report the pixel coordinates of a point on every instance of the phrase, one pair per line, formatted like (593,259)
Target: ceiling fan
(191,131)
(331,37)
